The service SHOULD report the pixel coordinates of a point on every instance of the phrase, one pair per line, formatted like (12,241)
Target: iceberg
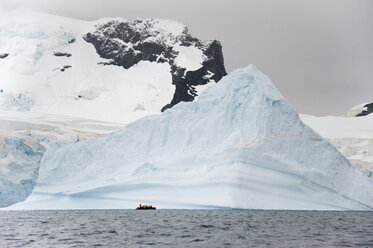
(240,145)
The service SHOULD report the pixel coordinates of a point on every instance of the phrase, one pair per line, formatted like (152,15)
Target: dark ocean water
(185,228)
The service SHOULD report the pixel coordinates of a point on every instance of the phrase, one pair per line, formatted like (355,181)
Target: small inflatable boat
(145,207)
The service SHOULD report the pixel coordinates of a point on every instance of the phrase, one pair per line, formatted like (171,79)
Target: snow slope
(51,67)
(50,128)
(240,145)
(353,136)
(31,69)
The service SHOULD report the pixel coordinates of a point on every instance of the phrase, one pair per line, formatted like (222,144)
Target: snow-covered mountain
(360,110)
(110,70)
(239,145)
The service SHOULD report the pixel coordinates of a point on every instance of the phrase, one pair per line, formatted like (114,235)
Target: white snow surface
(32,80)
(240,145)
(50,128)
(353,136)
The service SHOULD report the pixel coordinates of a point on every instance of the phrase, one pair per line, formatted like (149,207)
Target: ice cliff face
(239,145)
(19,166)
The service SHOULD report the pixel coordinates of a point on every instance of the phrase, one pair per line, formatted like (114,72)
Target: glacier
(240,145)
(19,166)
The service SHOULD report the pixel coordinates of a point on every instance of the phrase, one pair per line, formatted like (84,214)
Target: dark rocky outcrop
(367,109)
(65,67)
(125,43)
(3,55)
(61,54)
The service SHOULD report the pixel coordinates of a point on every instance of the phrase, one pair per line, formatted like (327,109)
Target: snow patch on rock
(190,58)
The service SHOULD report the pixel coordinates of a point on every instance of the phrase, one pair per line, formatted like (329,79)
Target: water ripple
(185,228)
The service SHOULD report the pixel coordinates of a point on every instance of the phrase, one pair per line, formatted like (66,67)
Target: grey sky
(318,53)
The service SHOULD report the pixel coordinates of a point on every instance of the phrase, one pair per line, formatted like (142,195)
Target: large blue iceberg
(241,145)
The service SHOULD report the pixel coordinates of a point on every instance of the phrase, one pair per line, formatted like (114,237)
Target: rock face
(65,67)
(368,108)
(3,55)
(61,54)
(192,61)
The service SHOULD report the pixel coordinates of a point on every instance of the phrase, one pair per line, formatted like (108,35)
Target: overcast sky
(318,53)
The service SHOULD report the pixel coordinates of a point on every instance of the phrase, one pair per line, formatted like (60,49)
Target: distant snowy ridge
(110,70)
(360,110)
(353,136)
(240,145)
